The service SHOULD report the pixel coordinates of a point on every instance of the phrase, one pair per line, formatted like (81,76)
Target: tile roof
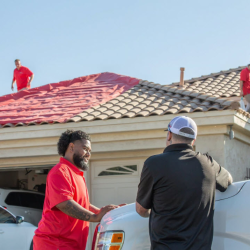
(206,93)
(222,84)
(148,99)
(57,102)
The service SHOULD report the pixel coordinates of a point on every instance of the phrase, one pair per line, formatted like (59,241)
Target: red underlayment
(61,101)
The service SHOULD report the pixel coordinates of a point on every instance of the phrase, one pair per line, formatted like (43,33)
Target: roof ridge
(210,75)
(189,93)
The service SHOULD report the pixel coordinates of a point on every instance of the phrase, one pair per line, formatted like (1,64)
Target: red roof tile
(58,102)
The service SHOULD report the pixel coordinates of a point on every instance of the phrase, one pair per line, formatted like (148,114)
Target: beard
(80,163)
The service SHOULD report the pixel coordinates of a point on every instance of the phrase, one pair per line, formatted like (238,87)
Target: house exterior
(126,128)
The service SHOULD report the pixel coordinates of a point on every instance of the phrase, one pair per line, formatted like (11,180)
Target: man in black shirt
(177,191)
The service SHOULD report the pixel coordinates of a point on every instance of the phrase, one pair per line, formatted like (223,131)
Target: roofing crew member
(245,85)
(67,211)
(22,76)
(179,188)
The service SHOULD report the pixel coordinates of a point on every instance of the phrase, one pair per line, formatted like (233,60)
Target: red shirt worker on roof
(67,210)
(22,76)
(245,85)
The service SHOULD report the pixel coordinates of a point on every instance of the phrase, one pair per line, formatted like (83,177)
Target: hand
(12,87)
(241,93)
(23,89)
(103,211)
(124,204)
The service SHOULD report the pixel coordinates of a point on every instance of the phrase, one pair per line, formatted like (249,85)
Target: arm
(73,209)
(143,212)
(223,177)
(144,199)
(12,85)
(61,189)
(31,79)
(230,179)
(94,209)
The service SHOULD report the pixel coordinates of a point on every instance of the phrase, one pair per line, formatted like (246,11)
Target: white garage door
(114,182)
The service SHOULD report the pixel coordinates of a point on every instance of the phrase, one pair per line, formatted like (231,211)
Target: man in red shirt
(245,85)
(67,211)
(22,76)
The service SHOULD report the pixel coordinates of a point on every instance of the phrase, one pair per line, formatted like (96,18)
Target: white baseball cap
(184,126)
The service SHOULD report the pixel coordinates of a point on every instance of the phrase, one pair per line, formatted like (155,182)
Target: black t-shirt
(179,188)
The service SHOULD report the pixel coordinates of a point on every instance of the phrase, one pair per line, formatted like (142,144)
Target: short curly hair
(70,136)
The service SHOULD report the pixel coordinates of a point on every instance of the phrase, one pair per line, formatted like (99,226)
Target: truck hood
(129,210)
(232,190)
(119,213)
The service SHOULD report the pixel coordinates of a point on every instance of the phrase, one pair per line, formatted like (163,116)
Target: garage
(22,192)
(32,178)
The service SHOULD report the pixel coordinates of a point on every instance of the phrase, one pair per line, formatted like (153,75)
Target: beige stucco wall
(231,154)
(212,144)
(236,157)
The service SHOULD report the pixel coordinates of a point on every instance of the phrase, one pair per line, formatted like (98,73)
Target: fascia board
(114,125)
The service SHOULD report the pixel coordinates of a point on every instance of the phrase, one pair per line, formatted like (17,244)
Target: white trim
(117,125)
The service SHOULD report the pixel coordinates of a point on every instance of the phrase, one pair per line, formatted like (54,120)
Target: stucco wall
(212,144)
(232,154)
(237,155)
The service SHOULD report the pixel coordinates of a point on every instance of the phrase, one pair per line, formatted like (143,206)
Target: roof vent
(182,77)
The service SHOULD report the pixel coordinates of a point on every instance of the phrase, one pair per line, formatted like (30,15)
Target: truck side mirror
(19,219)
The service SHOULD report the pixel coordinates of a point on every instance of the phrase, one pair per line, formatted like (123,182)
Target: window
(40,199)
(119,170)
(25,199)
(13,199)
(6,217)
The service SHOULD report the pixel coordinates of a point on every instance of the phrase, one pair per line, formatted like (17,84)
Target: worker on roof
(22,76)
(245,85)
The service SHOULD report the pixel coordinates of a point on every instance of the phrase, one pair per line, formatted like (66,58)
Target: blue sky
(150,40)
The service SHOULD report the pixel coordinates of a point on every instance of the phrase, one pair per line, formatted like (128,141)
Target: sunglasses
(169,128)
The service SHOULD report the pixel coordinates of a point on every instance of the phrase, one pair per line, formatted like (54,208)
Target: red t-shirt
(245,77)
(56,230)
(22,77)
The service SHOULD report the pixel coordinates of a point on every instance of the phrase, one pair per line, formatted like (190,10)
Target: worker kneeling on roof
(245,85)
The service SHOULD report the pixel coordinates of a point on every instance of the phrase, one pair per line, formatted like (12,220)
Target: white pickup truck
(124,229)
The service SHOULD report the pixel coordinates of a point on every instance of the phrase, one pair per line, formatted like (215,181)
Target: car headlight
(110,240)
